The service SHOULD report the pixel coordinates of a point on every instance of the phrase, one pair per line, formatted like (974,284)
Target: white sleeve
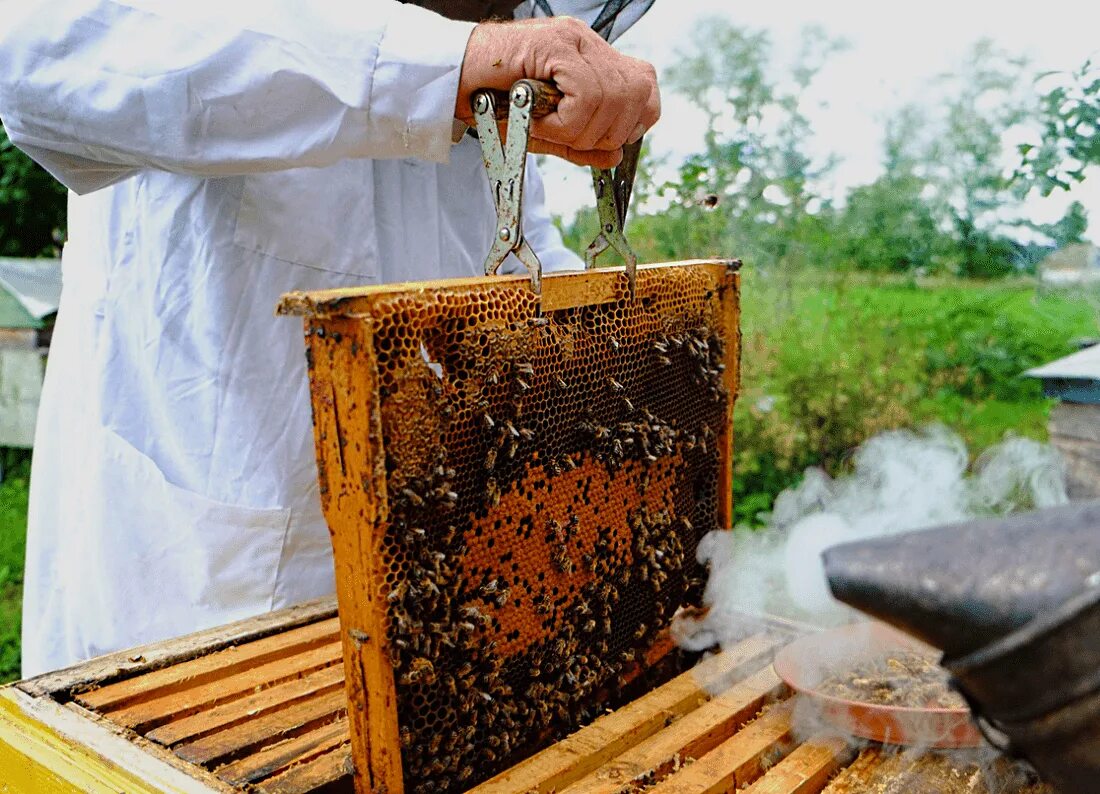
(539,228)
(96,90)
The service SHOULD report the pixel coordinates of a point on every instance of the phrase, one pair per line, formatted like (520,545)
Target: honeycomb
(548,477)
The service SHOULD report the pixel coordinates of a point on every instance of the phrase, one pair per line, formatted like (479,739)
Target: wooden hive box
(257,706)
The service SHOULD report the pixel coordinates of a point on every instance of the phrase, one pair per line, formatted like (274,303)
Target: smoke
(900,481)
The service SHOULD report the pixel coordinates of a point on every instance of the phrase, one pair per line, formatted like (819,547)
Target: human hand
(609,99)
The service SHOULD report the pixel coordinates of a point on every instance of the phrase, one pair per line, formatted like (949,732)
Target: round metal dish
(809,660)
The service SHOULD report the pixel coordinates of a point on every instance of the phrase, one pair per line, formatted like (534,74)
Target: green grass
(13,531)
(840,357)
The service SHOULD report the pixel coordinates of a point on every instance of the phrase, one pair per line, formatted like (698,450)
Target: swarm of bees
(444,614)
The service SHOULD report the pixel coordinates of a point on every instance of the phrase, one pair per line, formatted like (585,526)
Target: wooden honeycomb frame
(395,369)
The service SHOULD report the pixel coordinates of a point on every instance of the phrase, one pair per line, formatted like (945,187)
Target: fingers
(608,96)
(594,158)
(609,99)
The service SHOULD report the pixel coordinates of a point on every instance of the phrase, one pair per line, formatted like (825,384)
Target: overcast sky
(896,49)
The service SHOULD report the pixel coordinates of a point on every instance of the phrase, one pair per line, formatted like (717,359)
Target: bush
(32,205)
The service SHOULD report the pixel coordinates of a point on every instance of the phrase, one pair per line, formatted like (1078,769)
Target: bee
(433,745)
(589,626)
(640,631)
(465,773)
(412,496)
(611,340)
(524,368)
(527,434)
(492,492)
(538,322)
(523,385)
(406,737)
(614,384)
(628,404)
(561,382)
(665,360)
(566,462)
(493,378)
(661,347)
(562,562)
(511,429)
(398,593)
(420,670)
(490,423)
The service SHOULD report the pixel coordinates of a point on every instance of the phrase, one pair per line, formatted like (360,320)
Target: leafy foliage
(32,205)
(13,529)
(1070,140)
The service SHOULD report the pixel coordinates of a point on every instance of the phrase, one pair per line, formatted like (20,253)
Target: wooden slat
(310,685)
(736,761)
(806,770)
(575,756)
(148,714)
(137,661)
(559,290)
(209,668)
(853,779)
(691,737)
(45,748)
(285,723)
(310,776)
(278,757)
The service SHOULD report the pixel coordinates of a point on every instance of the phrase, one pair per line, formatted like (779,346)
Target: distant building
(1075,264)
(29,294)
(1075,421)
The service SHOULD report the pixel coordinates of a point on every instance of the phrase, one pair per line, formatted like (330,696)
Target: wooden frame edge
(46,747)
(146,658)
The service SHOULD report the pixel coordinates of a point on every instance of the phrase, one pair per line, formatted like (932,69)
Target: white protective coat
(224,153)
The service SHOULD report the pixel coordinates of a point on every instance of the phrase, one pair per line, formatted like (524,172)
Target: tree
(890,225)
(1070,132)
(32,205)
(986,97)
(749,190)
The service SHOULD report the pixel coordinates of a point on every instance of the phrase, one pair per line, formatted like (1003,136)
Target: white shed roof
(35,283)
(1083,365)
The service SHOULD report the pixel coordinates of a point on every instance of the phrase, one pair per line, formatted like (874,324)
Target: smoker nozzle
(963,586)
(1015,605)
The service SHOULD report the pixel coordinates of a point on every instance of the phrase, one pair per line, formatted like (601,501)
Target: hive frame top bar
(560,290)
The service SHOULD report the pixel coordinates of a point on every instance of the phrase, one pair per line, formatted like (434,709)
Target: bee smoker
(1014,603)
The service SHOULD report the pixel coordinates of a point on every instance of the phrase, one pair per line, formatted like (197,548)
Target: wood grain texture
(736,761)
(112,667)
(692,736)
(310,776)
(247,709)
(46,748)
(144,716)
(559,290)
(612,734)
(279,757)
(209,668)
(806,770)
(353,497)
(285,723)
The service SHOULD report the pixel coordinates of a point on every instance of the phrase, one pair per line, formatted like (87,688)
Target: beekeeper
(219,155)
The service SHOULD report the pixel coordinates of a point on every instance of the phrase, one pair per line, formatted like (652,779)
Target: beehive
(516,487)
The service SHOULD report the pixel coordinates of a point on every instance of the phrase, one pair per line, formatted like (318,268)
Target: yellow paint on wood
(38,758)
